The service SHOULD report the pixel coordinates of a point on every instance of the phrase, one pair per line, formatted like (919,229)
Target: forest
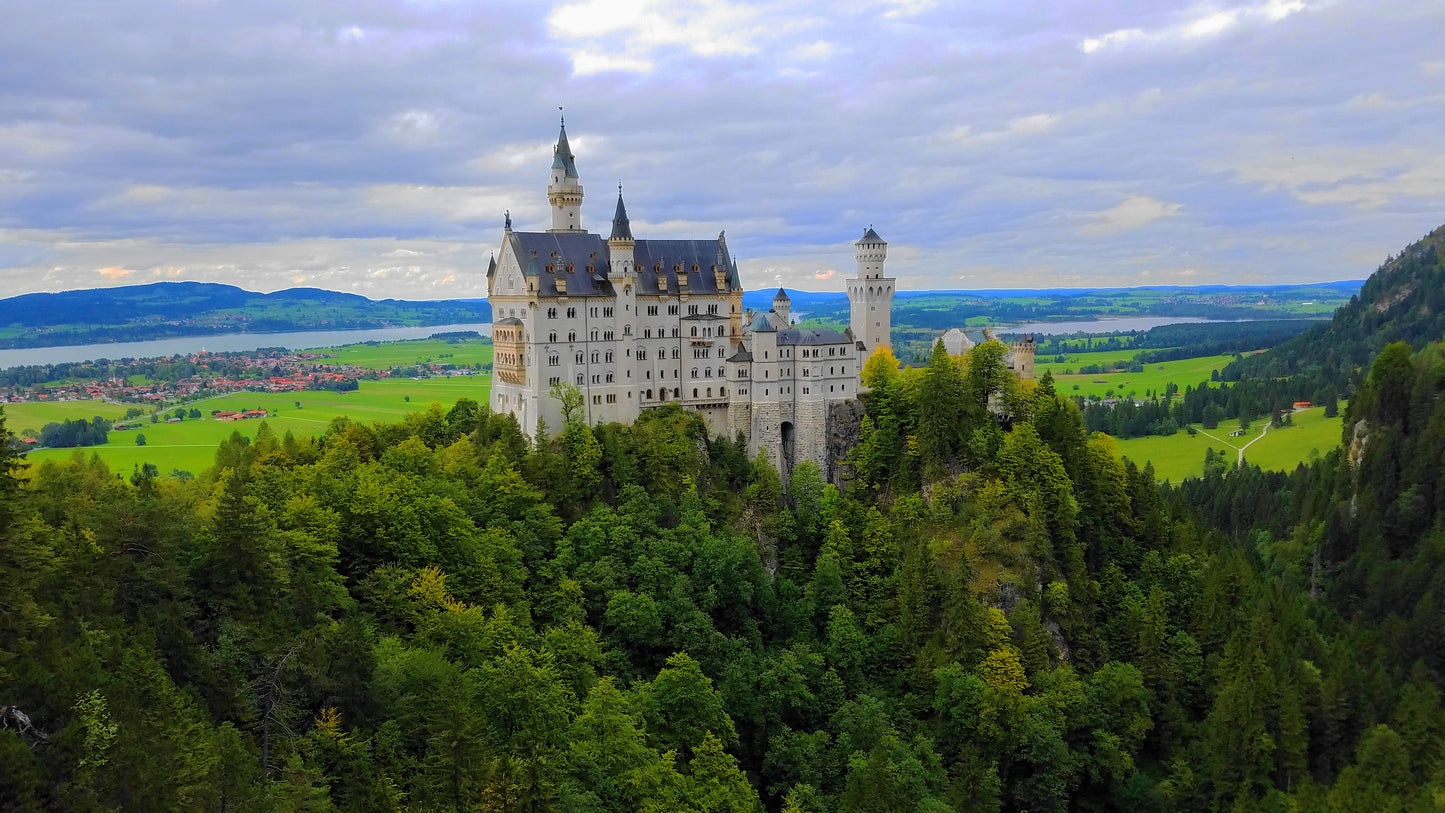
(994,613)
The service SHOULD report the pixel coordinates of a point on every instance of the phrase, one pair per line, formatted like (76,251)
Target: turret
(870,251)
(564,192)
(783,306)
(870,294)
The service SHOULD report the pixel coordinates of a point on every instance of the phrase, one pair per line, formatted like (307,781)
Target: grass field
(19,417)
(1185,373)
(386,355)
(1182,455)
(191,445)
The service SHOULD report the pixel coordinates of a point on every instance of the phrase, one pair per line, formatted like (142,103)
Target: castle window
(692,310)
(606,311)
(579,358)
(642,354)
(571,313)
(553,361)
(694,331)
(651,311)
(554,380)
(712,309)
(709,392)
(607,335)
(551,313)
(579,380)
(594,356)
(694,372)
(647,333)
(594,335)
(805,374)
(552,337)
(676,351)
(608,356)
(721,373)
(609,378)
(571,335)
(627,330)
(694,392)
(765,354)
(674,333)
(805,390)
(596,379)
(671,310)
(649,375)
(707,373)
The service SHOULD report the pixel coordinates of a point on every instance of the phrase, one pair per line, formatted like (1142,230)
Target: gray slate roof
(654,258)
(870,236)
(742,354)
(562,157)
(761,324)
(811,336)
(621,227)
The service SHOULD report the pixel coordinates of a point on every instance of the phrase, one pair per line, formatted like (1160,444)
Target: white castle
(636,324)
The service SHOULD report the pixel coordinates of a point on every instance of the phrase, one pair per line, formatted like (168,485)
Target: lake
(225,342)
(1103,325)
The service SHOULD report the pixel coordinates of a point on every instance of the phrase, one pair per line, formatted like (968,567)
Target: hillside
(168,309)
(1404,300)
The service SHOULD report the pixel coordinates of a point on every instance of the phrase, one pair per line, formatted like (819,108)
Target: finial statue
(509,220)
(561,115)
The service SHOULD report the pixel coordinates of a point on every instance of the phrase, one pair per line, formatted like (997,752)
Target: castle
(635,324)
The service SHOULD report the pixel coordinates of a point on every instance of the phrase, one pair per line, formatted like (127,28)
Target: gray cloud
(371,146)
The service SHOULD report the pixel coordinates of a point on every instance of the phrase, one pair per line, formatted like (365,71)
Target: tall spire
(562,157)
(621,228)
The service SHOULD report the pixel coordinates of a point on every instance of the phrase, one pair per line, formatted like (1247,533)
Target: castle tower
(1023,358)
(564,193)
(870,294)
(782,306)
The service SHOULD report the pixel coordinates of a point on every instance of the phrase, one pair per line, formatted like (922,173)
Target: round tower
(564,192)
(783,306)
(870,294)
(870,251)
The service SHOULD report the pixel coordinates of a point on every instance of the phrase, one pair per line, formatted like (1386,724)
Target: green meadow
(19,417)
(191,445)
(386,355)
(1181,455)
(1153,379)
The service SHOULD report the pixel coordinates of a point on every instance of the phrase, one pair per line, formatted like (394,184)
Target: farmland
(387,355)
(1153,379)
(1182,455)
(191,445)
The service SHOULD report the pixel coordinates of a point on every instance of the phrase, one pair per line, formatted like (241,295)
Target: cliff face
(845,424)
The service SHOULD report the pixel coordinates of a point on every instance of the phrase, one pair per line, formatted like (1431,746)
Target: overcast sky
(372,146)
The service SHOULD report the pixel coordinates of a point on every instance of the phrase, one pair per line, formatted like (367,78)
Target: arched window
(571,335)
(709,392)
(722,392)
(694,372)
(694,392)
(694,330)
(552,337)
(676,392)
(594,334)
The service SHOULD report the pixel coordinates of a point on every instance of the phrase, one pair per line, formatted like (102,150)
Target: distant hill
(1404,300)
(940,310)
(170,309)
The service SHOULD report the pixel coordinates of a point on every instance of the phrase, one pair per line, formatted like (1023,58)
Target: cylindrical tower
(870,294)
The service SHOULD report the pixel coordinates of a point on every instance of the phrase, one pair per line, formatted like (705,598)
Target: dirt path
(1240,449)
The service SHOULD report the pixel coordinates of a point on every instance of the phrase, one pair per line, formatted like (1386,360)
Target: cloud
(373,147)
(826,273)
(1199,23)
(114,272)
(1131,213)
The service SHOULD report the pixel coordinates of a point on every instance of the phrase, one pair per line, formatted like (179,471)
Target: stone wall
(845,427)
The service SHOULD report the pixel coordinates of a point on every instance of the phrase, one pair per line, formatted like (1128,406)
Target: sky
(372,147)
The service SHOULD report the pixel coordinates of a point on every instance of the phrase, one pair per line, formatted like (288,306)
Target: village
(177,379)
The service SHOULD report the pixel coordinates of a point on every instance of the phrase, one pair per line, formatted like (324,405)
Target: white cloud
(1131,213)
(588,62)
(1028,125)
(1199,23)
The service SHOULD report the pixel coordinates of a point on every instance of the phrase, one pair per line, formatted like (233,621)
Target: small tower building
(870,294)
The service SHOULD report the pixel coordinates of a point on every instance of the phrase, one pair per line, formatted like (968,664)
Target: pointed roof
(761,324)
(621,228)
(781,295)
(870,236)
(562,157)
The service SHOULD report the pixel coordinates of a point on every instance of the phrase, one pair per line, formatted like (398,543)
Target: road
(1240,449)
